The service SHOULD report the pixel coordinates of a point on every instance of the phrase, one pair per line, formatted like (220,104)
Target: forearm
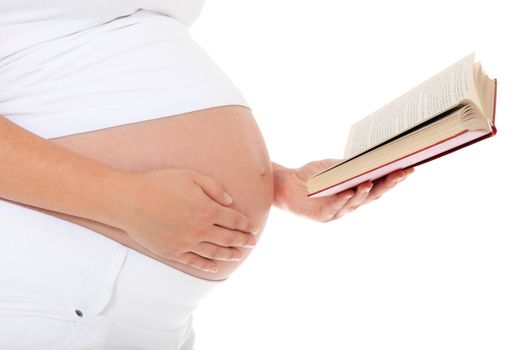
(37,172)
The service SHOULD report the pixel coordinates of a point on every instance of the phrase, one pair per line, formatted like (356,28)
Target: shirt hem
(96,118)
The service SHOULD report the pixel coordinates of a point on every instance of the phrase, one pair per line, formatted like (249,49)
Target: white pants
(144,305)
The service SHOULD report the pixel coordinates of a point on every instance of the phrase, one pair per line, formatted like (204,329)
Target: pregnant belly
(222,142)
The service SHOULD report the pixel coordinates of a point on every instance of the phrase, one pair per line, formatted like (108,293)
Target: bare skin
(225,144)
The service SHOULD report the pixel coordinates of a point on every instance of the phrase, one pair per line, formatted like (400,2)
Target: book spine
(494,130)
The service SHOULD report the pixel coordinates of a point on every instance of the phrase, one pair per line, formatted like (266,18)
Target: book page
(439,93)
(486,87)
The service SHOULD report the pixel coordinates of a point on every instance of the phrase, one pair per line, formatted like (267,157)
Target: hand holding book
(291,192)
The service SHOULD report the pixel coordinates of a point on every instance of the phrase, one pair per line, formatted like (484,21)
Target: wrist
(118,200)
(280,175)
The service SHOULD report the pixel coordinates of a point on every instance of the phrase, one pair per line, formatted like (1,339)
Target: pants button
(79,313)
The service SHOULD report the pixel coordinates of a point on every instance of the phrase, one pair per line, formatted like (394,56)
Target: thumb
(315,167)
(329,162)
(213,189)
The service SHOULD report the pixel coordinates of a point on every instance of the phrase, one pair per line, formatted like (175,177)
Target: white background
(438,262)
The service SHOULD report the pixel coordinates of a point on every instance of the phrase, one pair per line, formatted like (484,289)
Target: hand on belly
(182,215)
(223,143)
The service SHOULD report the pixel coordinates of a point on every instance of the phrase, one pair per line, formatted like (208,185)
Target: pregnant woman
(133,175)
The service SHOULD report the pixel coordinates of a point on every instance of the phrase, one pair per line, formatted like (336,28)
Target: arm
(290,192)
(177,214)
(36,172)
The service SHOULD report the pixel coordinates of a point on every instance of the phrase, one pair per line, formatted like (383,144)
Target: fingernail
(367,189)
(228,199)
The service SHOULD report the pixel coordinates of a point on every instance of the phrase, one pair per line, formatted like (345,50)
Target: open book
(451,110)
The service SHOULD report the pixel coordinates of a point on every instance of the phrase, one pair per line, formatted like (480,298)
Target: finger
(409,171)
(343,197)
(357,200)
(235,220)
(362,191)
(226,237)
(215,252)
(212,188)
(334,203)
(196,261)
(387,183)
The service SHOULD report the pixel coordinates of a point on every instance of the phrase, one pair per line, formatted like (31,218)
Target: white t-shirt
(24,23)
(71,66)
